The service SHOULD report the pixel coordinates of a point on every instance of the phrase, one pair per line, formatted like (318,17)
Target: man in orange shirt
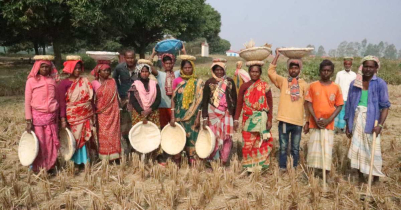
(324,101)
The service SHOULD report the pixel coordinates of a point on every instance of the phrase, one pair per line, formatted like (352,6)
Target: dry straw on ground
(134,184)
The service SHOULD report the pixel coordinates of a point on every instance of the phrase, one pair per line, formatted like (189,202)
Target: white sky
(297,23)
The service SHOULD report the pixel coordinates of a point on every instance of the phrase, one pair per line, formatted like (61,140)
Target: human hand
(377,130)
(322,123)
(184,51)
(145,121)
(28,126)
(172,122)
(348,133)
(277,52)
(306,128)
(269,125)
(236,125)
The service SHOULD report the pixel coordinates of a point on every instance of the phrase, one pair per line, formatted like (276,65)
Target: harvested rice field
(132,184)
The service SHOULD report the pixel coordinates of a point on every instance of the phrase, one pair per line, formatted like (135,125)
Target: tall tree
(40,22)
(342,49)
(220,46)
(321,52)
(390,52)
(332,53)
(314,49)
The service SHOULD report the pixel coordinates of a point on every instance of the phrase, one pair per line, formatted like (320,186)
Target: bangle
(380,125)
(172,109)
(236,121)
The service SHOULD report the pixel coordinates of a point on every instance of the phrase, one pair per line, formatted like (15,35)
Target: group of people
(138,92)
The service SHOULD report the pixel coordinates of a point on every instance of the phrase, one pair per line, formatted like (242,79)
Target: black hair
(260,68)
(147,67)
(326,62)
(129,51)
(294,64)
(376,64)
(215,67)
(183,62)
(167,58)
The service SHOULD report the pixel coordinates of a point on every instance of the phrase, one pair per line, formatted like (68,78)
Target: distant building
(232,53)
(205,49)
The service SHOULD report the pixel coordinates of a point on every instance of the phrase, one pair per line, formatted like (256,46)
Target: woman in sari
(186,105)
(107,112)
(75,95)
(218,109)
(241,76)
(256,103)
(41,112)
(144,97)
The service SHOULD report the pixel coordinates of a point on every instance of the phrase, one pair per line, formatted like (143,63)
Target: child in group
(324,101)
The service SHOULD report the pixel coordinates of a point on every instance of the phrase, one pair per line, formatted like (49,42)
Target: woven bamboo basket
(296,53)
(255,53)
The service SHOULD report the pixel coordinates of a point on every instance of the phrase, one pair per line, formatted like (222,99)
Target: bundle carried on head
(43,57)
(73,58)
(295,52)
(187,57)
(145,61)
(255,55)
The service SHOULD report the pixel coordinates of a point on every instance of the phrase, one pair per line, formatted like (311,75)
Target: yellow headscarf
(189,91)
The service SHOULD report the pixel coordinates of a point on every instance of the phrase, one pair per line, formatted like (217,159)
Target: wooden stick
(372,158)
(322,143)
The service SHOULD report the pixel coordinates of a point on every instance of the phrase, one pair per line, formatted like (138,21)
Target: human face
(294,71)
(129,59)
(105,73)
(44,69)
(369,68)
(219,71)
(168,65)
(255,72)
(77,71)
(144,73)
(325,73)
(187,69)
(347,65)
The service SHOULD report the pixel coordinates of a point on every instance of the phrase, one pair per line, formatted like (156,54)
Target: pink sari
(46,130)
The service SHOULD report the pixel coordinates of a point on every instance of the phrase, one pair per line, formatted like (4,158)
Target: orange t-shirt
(324,99)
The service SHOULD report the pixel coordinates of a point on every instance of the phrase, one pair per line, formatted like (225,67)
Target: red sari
(79,110)
(108,115)
(254,118)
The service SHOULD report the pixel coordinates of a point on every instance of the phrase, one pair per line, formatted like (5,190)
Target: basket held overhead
(168,46)
(297,53)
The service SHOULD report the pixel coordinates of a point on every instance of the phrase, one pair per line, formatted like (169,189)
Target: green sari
(186,117)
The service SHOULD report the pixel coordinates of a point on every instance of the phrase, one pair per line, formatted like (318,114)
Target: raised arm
(153,69)
(271,72)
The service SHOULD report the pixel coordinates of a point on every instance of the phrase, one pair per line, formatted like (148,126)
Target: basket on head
(173,139)
(144,138)
(187,57)
(296,53)
(205,143)
(28,148)
(67,144)
(102,55)
(255,53)
(43,57)
(73,58)
(145,61)
(219,60)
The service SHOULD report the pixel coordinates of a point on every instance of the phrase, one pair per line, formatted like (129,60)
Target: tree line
(360,49)
(71,25)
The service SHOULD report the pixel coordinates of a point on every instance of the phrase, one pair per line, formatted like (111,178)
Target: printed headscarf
(69,66)
(189,91)
(36,67)
(220,90)
(101,65)
(293,84)
(168,85)
(358,80)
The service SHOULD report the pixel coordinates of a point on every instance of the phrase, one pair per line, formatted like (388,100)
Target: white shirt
(344,79)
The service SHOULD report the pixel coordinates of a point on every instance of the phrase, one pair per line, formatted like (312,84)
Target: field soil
(132,184)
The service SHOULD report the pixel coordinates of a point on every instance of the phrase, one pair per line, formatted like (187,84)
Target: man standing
(367,102)
(291,107)
(344,79)
(324,101)
(124,75)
